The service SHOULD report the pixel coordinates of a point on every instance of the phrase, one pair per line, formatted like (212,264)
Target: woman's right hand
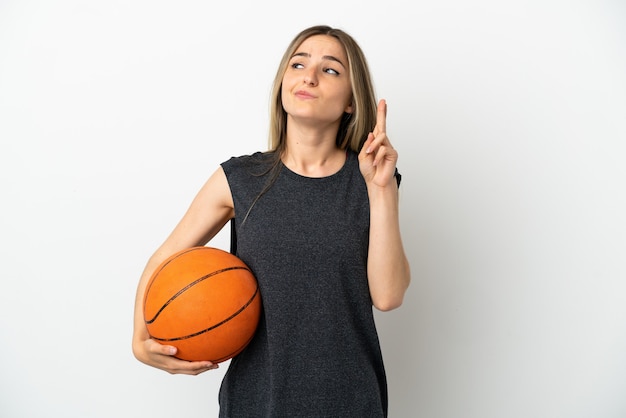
(210,210)
(162,357)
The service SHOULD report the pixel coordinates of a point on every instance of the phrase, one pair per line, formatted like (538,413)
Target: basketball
(205,302)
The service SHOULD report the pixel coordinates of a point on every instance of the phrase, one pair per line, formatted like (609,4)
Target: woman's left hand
(377,159)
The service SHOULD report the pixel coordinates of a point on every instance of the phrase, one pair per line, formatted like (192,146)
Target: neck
(313,153)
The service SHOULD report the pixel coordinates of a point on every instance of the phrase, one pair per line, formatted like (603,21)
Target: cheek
(287,81)
(345,91)
(286,87)
(346,98)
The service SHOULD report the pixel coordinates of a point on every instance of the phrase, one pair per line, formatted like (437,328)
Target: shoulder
(248,162)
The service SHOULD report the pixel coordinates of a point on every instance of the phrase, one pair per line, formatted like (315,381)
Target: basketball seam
(168,261)
(195,334)
(195,282)
(234,353)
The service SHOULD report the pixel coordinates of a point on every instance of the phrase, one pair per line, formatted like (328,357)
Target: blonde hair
(355,126)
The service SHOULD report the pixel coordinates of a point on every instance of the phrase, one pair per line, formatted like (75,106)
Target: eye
(331,71)
(297,65)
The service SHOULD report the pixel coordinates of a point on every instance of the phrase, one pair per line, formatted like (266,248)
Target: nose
(310,79)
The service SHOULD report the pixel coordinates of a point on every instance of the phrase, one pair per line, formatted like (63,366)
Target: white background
(510,121)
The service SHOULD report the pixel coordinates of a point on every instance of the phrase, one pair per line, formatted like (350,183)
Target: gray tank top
(316,352)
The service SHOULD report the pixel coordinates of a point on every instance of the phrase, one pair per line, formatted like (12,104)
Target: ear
(348,109)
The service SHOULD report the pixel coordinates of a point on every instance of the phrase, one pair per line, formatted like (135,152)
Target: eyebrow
(325,57)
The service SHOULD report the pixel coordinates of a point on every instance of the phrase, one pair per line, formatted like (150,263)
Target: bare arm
(388,269)
(208,213)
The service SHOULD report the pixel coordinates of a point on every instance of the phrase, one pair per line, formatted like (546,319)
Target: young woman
(316,219)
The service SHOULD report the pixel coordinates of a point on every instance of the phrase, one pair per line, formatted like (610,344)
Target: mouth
(301,94)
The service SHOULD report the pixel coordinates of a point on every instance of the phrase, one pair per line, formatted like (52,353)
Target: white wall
(510,122)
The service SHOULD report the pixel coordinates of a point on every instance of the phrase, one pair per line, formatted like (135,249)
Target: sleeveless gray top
(316,352)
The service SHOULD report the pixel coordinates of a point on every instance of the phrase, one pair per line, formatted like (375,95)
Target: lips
(304,94)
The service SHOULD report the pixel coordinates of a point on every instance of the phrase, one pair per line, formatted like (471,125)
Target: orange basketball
(204,301)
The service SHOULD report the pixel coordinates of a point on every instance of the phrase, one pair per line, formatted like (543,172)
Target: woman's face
(316,84)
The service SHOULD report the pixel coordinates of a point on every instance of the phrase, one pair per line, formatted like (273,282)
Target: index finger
(381,117)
